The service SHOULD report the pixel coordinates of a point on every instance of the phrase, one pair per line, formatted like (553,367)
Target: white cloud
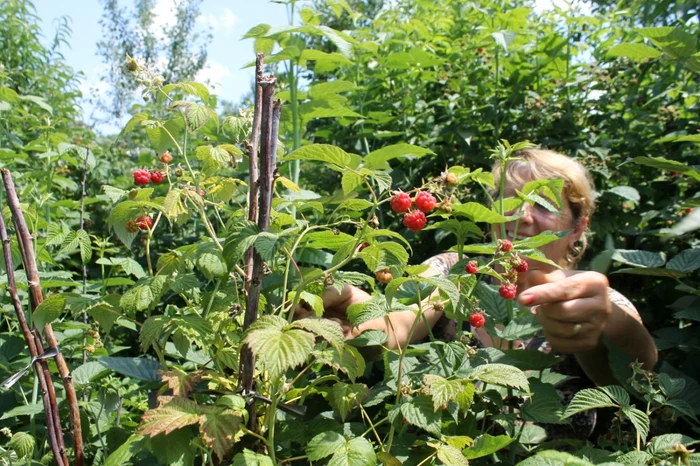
(224,21)
(582,6)
(164,17)
(213,73)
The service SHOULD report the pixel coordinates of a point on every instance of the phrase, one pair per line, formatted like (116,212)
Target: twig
(36,298)
(49,407)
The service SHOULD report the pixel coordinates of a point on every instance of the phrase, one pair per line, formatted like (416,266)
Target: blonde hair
(578,190)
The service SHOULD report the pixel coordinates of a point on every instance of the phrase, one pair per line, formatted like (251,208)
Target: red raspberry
(415,220)
(157,177)
(144,222)
(401,202)
(522,266)
(141,177)
(480,50)
(166,157)
(471,267)
(425,201)
(508,290)
(505,245)
(363,246)
(477,319)
(688,211)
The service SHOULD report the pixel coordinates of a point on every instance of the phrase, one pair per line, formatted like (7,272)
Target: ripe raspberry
(144,222)
(521,266)
(480,50)
(425,201)
(166,157)
(477,319)
(688,211)
(508,290)
(401,202)
(505,245)
(383,276)
(415,220)
(141,177)
(471,267)
(157,177)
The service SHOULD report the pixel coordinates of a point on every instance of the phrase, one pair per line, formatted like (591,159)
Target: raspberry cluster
(143,177)
(414,219)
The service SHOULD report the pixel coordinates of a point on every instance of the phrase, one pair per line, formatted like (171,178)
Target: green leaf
(138,368)
(672,387)
(544,406)
(329,88)
(589,398)
(661,444)
(220,428)
(653,272)
(685,261)
(444,391)
(501,374)
(122,455)
(377,159)
(324,444)
(88,372)
(617,393)
(626,192)
(344,397)
(356,452)
(49,310)
(449,455)
(321,153)
(327,329)
(639,258)
(555,458)
(532,360)
(674,42)
(278,345)
(23,444)
(350,181)
(250,458)
(665,164)
(23,410)
(639,419)
(486,444)
(636,52)
(369,338)
(478,213)
(175,414)
(418,411)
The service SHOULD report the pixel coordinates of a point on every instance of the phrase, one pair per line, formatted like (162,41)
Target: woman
(577,309)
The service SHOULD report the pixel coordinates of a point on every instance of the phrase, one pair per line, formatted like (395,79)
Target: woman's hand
(336,306)
(573,307)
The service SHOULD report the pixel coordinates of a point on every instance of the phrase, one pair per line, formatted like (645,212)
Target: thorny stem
(82,227)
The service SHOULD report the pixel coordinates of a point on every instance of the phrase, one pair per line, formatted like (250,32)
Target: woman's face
(536,219)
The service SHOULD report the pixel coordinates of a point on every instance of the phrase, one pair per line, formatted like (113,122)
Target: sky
(228,21)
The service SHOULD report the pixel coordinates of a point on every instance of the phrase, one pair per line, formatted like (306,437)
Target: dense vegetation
(141,239)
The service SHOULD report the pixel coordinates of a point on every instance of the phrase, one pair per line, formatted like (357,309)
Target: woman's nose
(527,216)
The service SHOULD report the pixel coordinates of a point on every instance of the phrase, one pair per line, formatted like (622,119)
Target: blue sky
(228,21)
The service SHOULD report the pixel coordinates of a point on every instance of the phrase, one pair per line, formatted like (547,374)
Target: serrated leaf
(636,52)
(639,419)
(443,391)
(321,153)
(220,429)
(126,450)
(661,444)
(278,345)
(23,410)
(685,261)
(672,387)
(478,213)
(418,411)
(617,393)
(589,398)
(138,368)
(486,444)
(49,310)
(449,455)
(674,42)
(327,329)
(175,414)
(639,258)
(250,458)
(23,444)
(378,158)
(625,192)
(501,374)
(666,164)
(369,338)
(324,444)
(344,397)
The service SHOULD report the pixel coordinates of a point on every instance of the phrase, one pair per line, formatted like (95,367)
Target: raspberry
(471,267)
(415,220)
(480,50)
(141,177)
(522,266)
(505,245)
(157,177)
(688,211)
(383,276)
(477,319)
(166,157)
(425,201)
(131,226)
(401,202)
(363,246)
(451,179)
(508,290)
(144,222)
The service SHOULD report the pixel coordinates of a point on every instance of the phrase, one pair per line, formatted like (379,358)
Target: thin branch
(49,407)
(36,298)
(82,227)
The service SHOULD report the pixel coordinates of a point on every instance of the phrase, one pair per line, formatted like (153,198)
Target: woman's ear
(579,229)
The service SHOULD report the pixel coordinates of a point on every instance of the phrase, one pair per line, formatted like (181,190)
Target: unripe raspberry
(157,177)
(401,202)
(508,290)
(144,222)
(472,267)
(451,179)
(522,266)
(363,246)
(166,157)
(131,226)
(425,201)
(383,276)
(477,319)
(505,245)
(415,220)
(141,177)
